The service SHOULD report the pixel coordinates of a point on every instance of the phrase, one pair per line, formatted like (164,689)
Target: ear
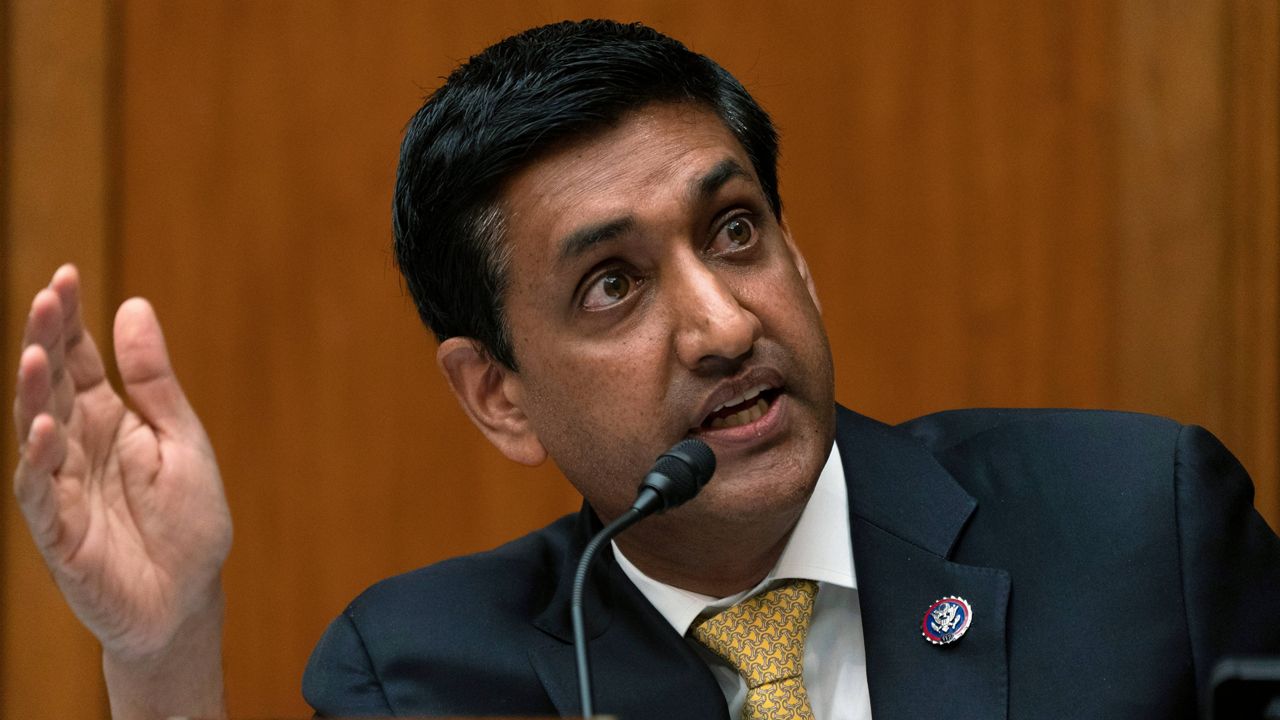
(492,396)
(802,267)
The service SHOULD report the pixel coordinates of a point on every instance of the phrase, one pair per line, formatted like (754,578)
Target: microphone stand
(624,521)
(675,478)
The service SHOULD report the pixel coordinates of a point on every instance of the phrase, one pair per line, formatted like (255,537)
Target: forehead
(652,158)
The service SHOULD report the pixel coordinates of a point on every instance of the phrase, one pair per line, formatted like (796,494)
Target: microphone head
(681,472)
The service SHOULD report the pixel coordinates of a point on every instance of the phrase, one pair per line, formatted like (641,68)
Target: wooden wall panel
(1199,258)
(1251,403)
(963,215)
(56,208)
(261,142)
(1005,203)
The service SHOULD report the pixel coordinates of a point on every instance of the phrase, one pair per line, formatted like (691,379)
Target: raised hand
(126,506)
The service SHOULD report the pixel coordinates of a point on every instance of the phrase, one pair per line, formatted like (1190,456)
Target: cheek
(600,420)
(623,365)
(780,296)
(598,398)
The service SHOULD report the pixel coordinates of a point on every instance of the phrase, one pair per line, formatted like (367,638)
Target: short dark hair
(504,109)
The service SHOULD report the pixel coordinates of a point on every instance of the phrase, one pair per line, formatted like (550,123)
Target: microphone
(675,478)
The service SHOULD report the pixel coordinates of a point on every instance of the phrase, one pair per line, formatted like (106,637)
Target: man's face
(650,285)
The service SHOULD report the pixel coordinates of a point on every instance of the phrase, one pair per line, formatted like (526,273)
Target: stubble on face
(688,291)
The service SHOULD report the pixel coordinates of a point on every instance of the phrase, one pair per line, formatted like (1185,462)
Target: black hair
(504,109)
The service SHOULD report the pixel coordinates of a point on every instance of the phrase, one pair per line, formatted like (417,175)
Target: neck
(715,558)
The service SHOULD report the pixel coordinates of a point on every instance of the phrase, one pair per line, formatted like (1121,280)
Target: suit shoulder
(514,579)
(942,430)
(423,643)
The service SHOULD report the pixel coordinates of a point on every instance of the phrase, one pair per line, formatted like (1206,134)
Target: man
(588,217)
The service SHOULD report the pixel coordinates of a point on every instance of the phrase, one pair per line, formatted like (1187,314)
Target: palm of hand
(141,542)
(126,507)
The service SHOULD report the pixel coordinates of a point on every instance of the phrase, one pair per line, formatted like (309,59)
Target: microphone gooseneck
(675,478)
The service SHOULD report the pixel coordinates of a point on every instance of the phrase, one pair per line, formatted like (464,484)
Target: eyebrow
(723,172)
(583,239)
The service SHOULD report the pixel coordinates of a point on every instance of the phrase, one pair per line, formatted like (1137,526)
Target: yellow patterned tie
(763,637)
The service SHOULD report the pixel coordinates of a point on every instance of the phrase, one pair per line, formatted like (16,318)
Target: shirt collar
(818,549)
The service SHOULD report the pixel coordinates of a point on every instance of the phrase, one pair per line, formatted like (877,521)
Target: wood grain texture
(1252,259)
(1004,203)
(55,207)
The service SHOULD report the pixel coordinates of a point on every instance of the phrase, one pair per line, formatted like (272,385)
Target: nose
(714,331)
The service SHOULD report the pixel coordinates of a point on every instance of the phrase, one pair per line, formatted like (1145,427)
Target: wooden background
(1005,203)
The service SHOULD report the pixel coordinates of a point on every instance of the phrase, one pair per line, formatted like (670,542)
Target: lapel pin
(946,620)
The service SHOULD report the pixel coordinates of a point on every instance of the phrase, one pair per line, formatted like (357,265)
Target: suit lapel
(906,513)
(640,667)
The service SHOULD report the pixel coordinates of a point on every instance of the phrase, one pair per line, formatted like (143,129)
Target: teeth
(741,398)
(743,417)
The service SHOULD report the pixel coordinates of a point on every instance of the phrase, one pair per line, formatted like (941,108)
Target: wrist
(183,679)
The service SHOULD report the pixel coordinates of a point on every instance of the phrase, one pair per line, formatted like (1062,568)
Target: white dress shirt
(835,660)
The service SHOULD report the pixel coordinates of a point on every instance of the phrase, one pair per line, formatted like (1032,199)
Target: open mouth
(742,410)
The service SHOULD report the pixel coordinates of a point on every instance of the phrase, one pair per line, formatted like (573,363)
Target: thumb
(144,366)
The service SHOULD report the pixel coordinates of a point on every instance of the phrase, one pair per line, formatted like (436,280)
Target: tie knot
(763,636)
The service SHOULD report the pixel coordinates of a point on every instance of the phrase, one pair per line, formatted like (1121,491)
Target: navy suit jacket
(1109,559)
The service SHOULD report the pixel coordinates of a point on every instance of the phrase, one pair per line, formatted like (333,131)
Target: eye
(608,289)
(734,235)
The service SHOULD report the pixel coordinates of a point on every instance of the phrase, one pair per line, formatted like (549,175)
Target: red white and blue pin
(946,620)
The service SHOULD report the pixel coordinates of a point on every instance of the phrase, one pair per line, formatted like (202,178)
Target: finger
(145,369)
(44,328)
(43,453)
(44,319)
(32,395)
(83,361)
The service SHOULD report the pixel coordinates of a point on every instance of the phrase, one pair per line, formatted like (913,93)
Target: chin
(743,494)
